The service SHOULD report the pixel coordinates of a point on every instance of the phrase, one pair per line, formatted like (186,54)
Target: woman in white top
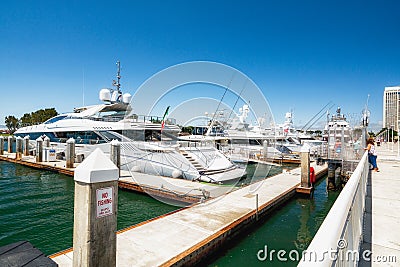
(372,155)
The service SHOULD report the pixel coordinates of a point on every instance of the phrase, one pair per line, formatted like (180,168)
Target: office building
(391,107)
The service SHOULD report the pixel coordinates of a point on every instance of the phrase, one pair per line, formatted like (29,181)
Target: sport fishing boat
(149,144)
(338,135)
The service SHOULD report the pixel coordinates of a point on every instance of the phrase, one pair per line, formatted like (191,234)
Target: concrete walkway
(382,216)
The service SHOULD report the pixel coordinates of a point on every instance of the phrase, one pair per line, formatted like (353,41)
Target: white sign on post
(104,201)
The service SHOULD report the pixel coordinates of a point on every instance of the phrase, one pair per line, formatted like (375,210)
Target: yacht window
(55,119)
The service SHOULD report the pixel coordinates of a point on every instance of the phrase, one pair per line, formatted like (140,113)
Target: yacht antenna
(319,112)
(116,82)
(209,130)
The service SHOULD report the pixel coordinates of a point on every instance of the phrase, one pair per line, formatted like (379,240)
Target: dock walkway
(382,217)
(183,237)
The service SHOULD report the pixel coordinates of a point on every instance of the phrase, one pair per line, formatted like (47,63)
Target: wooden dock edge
(38,165)
(208,246)
(144,189)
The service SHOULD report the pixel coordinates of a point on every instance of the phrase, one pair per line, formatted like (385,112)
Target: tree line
(36,117)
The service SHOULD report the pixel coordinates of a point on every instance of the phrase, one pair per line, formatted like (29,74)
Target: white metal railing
(338,240)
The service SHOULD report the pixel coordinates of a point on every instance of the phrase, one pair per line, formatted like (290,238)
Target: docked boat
(338,135)
(149,144)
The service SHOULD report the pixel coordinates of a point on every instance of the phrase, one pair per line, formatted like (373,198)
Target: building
(391,107)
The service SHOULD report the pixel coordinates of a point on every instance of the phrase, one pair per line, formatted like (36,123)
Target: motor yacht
(149,144)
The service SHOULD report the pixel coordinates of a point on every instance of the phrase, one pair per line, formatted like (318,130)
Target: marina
(199,133)
(216,211)
(217,214)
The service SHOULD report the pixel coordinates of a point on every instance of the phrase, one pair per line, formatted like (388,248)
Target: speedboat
(149,144)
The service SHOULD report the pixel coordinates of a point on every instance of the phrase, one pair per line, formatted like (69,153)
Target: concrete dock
(382,219)
(186,236)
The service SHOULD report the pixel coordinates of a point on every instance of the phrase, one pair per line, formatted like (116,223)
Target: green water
(38,206)
(291,227)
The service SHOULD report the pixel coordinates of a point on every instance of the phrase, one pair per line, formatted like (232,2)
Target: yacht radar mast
(115,95)
(116,82)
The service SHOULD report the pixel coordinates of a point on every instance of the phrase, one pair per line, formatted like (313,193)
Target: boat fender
(136,169)
(312,175)
(176,174)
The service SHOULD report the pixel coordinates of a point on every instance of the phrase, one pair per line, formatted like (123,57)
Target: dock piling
(95,211)
(1,145)
(115,154)
(26,145)
(265,149)
(257,207)
(305,183)
(39,149)
(70,153)
(305,166)
(18,147)
(10,141)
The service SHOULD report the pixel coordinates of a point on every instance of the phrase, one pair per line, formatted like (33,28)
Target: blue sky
(301,54)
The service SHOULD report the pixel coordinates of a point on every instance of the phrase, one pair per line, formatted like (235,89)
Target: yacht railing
(338,240)
(115,118)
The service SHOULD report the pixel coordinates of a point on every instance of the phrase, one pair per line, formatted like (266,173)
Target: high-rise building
(391,107)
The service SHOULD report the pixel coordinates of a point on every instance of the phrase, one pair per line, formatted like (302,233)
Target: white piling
(18,147)
(10,141)
(265,149)
(46,141)
(115,154)
(305,166)
(39,149)
(70,153)
(95,211)
(26,145)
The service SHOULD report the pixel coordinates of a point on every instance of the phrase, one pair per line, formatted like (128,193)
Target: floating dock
(187,236)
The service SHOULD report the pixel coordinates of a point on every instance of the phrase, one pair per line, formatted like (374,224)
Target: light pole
(398,123)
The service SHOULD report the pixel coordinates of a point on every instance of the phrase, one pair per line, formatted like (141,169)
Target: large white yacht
(148,144)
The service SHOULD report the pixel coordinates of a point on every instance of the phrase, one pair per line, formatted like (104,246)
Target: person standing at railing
(372,155)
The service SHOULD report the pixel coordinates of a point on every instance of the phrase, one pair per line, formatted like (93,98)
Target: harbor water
(37,206)
(289,228)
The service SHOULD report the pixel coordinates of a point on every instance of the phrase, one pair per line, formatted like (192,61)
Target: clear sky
(302,54)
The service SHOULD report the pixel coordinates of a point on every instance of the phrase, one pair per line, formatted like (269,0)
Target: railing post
(1,145)
(18,147)
(115,154)
(39,149)
(70,153)
(95,212)
(26,145)
(10,141)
